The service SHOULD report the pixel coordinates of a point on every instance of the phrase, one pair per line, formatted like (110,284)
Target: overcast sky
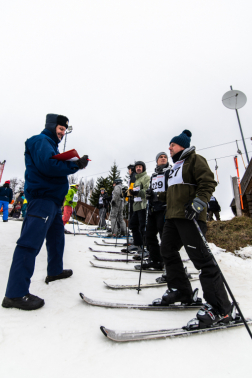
(129,75)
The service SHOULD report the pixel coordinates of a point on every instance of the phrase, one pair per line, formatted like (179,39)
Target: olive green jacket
(142,180)
(198,181)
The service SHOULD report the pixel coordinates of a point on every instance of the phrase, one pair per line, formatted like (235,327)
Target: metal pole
(65,142)
(223,278)
(245,148)
(237,197)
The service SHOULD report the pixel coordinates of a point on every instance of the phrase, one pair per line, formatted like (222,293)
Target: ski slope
(63,339)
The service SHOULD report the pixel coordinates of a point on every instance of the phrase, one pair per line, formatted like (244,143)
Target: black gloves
(151,195)
(70,202)
(82,162)
(113,203)
(194,208)
(134,193)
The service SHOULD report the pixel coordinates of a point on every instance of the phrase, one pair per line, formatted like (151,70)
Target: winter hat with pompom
(184,139)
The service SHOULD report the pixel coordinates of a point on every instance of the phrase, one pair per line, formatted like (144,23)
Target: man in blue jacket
(46,185)
(5,198)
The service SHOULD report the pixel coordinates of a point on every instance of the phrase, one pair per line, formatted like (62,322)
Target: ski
(106,242)
(115,252)
(114,260)
(143,286)
(119,245)
(76,233)
(131,270)
(140,306)
(96,235)
(124,269)
(164,333)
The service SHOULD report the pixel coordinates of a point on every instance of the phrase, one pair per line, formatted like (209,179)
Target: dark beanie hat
(62,121)
(184,139)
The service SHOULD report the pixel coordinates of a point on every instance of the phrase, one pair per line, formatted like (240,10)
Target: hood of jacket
(50,125)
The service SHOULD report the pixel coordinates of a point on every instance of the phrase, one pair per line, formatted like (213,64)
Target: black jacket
(156,184)
(6,193)
(213,205)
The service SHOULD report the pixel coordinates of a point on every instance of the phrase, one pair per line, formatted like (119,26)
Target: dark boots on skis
(172,296)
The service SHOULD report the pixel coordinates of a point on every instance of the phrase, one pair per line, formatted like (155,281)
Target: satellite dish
(234,99)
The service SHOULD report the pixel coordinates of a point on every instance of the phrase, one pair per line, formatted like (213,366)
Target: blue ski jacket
(46,178)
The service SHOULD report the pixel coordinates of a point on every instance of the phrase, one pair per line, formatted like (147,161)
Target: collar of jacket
(161,168)
(139,175)
(187,151)
(51,136)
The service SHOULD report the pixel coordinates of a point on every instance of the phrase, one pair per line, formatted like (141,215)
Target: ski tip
(90,248)
(95,257)
(103,329)
(91,263)
(82,296)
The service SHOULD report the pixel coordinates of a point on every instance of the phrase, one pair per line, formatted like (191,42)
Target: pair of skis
(121,336)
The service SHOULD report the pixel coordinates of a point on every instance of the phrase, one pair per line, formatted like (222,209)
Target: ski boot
(67,232)
(208,317)
(138,255)
(65,274)
(150,265)
(172,296)
(161,279)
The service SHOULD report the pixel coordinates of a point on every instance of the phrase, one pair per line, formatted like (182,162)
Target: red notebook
(71,155)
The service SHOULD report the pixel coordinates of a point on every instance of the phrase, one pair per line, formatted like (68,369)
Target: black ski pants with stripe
(183,232)
(155,225)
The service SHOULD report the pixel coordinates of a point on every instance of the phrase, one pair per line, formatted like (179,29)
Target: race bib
(137,199)
(101,200)
(158,183)
(75,198)
(175,175)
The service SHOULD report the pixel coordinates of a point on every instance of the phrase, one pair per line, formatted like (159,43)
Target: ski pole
(73,224)
(222,276)
(144,242)
(91,216)
(75,215)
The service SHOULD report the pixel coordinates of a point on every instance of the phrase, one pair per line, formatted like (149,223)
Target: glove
(82,162)
(195,208)
(70,202)
(134,193)
(113,203)
(149,194)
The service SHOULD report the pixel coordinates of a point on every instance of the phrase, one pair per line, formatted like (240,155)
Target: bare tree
(73,179)
(21,184)
(14,184)
(91,187)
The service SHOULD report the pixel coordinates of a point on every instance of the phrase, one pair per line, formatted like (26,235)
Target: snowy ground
(63,339)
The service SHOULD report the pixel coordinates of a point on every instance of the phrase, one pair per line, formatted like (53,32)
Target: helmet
(131,166)
(142,164)
(103,189)
(117,181)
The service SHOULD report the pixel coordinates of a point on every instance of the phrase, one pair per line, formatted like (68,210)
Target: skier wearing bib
(46,185)
(156,216)
(116,214)
(138,219)
(103,205)
(190,186)
(70,203)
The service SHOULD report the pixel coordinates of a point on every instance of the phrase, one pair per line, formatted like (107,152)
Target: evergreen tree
(100,183)
(113,174)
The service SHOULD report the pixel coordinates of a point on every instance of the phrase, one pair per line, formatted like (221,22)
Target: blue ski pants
(5,205)
(43,221)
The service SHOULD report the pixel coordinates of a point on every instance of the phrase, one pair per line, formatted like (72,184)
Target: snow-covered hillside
(63,339)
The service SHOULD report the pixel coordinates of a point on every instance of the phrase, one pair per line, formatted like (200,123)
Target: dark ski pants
(43,220)
(137,225)
(102,214)
(182,232)
(155,225)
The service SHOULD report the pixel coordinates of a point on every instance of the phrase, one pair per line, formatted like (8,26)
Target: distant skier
(70,203)
(213,207)
(103,205)
(190,186)
(6,195)
(116,214)
(46,185)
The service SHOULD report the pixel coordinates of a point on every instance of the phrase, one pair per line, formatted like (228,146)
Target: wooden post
(237,197)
